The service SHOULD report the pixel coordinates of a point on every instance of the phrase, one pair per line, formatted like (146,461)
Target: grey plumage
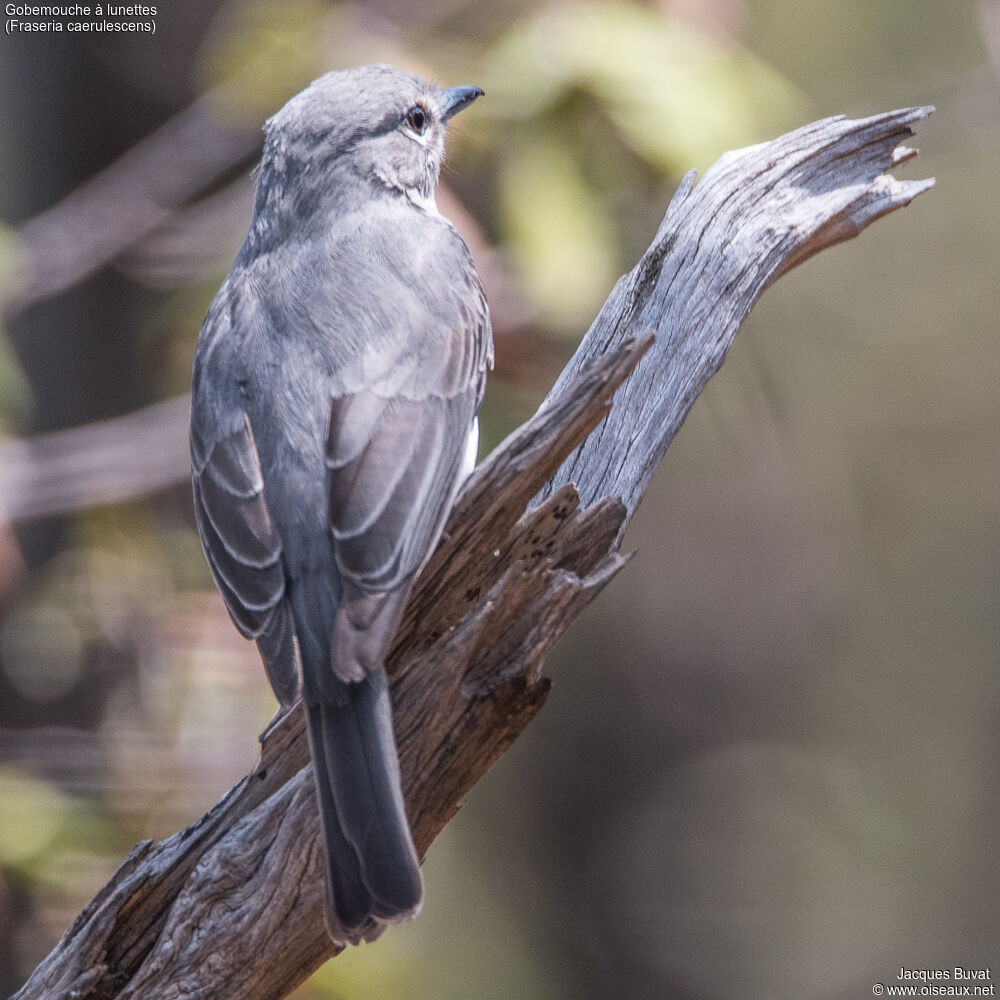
(336,382)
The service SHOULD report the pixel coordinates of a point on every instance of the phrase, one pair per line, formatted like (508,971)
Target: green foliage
(14,390)
(678,97)
(15,393)
(262,53)
(585,85)
(35,813)
(559,231)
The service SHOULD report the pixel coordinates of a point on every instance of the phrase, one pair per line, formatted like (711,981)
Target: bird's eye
(416,118)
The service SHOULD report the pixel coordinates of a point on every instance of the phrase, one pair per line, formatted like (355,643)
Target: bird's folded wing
(243,547)
(394,464)
(402,412)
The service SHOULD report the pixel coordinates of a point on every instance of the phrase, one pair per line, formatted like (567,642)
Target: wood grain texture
(231,906)
(756,214)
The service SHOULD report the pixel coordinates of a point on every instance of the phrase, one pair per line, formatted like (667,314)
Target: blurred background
(768,767)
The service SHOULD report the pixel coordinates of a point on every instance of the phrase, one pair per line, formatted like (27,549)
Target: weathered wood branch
(100,463)
(231,906)
(130,199)
(756,214)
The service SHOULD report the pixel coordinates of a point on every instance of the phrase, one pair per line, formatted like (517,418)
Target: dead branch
(230,907)
(130,199)
(99,463)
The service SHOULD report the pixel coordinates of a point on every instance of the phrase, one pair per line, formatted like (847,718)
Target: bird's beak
(454,99)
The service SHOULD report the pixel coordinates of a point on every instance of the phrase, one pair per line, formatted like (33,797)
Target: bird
(335,389)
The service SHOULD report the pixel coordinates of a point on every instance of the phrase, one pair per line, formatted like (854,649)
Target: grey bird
(333,418)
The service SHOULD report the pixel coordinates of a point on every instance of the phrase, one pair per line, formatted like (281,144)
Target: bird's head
(352,131)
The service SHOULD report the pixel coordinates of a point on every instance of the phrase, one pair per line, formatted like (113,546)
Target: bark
(231,906)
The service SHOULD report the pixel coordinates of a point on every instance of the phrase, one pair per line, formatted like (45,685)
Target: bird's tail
(373,876)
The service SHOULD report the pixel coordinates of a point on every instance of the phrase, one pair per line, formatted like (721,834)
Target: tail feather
(279,651)
(373,876)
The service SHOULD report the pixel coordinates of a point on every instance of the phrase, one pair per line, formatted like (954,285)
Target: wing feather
(235,466)
(240,539)
(360,489)
(375,557)
(394,464)
(353,420)
(241,524)
(279,649)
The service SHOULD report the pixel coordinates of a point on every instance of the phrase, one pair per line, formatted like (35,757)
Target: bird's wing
(395,448)
(396,443)
(242,545)
(394,465)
